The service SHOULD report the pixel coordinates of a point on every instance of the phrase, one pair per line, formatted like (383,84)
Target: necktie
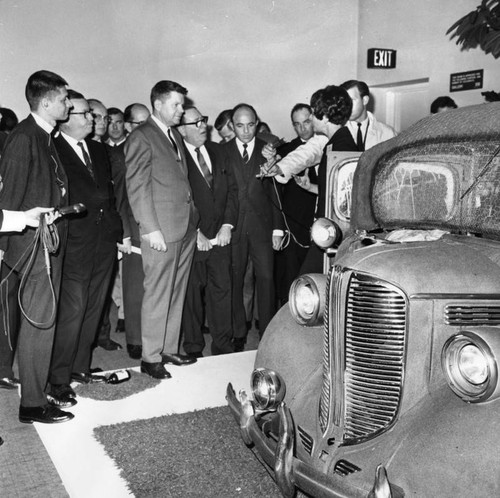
(171,138)
(86,159)
(359,139)
(245,153)
(204,167)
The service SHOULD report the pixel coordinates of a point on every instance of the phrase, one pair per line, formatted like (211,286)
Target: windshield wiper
(482,173)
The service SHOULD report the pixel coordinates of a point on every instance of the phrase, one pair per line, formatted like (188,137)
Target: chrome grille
(306,439)
(472,315)
(375,327)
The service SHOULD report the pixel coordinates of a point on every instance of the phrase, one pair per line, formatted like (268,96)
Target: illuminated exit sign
(381,58)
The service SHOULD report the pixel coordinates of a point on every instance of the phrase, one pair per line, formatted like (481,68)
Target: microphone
(73,209)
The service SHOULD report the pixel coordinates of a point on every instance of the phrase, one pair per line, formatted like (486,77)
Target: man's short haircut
(41,84)
(94,101)
(298,107)
(163,88)
(333,102)
(222,119)
(9,120)
(113,111)
(362,87)
(443,101)
(73,94)
(187,108)
(242,106)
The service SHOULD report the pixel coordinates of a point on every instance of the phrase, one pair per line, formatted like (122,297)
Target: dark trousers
(9,320)
(288,264)
(133,292)
(262,256)
(209,279)
(34,345)
(88,267)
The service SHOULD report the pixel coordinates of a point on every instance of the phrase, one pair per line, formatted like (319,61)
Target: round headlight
(306,299)
(268,389)
(470,366)
(324,233)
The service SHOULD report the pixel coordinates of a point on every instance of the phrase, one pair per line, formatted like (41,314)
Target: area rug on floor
(195,454)
(112,392)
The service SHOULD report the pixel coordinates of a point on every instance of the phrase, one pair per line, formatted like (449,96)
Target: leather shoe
(47,414)
(179,360)
(109,345)
(134,351)
(62,396)
(155,370)
(9,383)
(87,378)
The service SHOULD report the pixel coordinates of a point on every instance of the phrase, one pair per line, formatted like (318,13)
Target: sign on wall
(468,80)
(381,58)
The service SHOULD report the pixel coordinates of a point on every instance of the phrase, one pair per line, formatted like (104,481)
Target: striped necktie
(245,153)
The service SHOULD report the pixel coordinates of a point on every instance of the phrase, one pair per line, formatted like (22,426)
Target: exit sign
(381,58)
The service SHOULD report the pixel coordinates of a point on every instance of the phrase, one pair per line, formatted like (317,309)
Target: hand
(202,243)
(224,236)
(126,246)
(277,242)
(269,151)
(270,168)
(305,183)
(33,216)
(156,241)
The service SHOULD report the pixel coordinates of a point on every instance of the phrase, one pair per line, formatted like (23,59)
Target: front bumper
(290,472)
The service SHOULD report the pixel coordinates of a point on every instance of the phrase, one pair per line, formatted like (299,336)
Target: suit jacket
(97,195)
(32,175)
(157,183)
(217,205)
(258,213)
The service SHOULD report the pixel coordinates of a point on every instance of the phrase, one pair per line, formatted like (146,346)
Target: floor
(39,460)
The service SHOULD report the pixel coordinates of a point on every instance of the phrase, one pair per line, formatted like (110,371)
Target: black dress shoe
(239,344)
(134,351)
(9,383)
(62,396)
(109,345)
(87,378)
(47,414)
(155,370)
(120,325)
(179,360)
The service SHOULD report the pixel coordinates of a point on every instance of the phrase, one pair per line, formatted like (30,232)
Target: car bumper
(290,472)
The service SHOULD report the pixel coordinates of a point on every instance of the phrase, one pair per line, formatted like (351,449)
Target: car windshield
(342,189)
(453,186)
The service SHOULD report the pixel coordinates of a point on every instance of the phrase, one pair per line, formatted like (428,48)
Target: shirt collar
(163,127)
(42,123)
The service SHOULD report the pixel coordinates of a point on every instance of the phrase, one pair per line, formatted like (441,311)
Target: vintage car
(380,377)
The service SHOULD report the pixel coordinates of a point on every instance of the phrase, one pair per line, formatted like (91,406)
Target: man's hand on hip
(156,241)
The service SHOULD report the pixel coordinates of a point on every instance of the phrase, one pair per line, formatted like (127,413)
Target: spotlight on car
(324,233)
(470,366)
(307,299)
(268,389)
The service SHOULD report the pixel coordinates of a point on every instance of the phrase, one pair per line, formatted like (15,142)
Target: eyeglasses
(100,117)
(87,114)
(198,123)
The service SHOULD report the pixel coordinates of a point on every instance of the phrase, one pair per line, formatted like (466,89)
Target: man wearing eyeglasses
(162,203)
(90,252)
(135,115)
(100,115)
(215,194)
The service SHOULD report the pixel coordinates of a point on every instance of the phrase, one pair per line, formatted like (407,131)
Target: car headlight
(470,367)
(307,299)
(268,389)
(324,233)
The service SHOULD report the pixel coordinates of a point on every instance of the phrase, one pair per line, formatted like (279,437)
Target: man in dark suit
(90,252)
(260,225)
(33,175)
(162,203)
(215,195)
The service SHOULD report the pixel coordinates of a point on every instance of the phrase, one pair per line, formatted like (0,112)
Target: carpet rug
(195,454)
(111,392)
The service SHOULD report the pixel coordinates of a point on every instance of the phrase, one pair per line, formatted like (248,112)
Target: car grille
(306,439)
(368,331)
(472,315)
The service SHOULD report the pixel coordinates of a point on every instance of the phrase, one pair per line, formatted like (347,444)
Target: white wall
(417,30)
(270,53)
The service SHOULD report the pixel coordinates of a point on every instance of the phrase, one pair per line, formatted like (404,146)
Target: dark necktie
(245,153)
(171,138)
(359,139)
(86,159)
(204,167)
